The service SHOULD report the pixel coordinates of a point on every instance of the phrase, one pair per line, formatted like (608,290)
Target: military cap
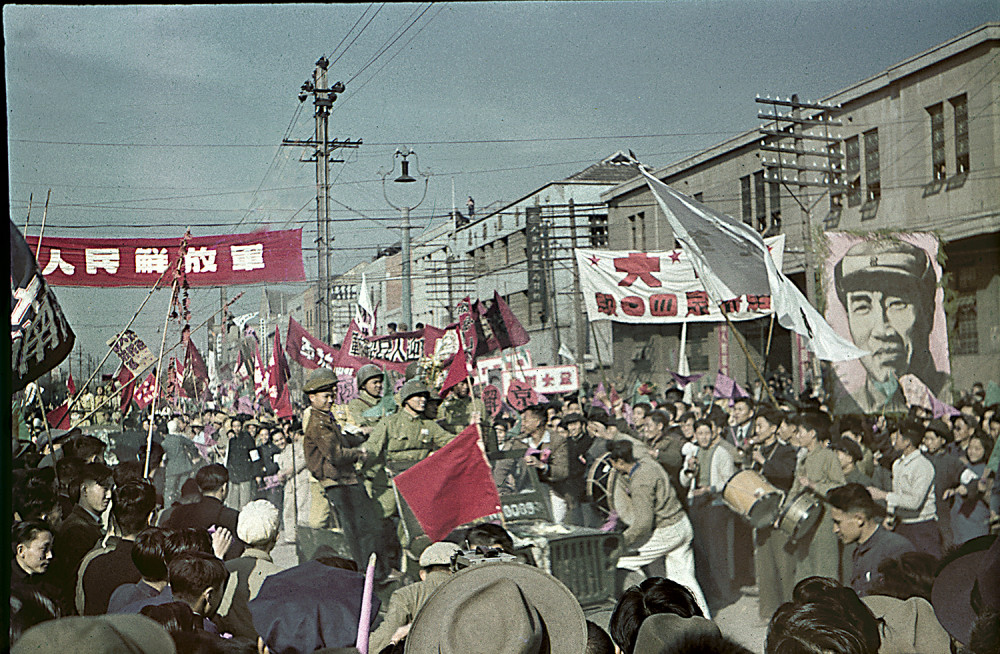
(319,380)
(411,388)
(883,262)
(368,371)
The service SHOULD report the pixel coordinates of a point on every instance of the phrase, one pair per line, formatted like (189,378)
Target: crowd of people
(856,533)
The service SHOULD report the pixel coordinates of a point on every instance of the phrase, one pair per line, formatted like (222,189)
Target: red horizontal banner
(224,260)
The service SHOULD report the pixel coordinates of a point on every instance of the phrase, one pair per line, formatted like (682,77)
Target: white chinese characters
(247,257)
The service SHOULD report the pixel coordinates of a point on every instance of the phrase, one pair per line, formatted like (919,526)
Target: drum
(801,516)
(752,496)
(599,484)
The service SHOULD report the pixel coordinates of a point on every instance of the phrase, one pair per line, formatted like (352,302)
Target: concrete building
(524,251)
(918,151)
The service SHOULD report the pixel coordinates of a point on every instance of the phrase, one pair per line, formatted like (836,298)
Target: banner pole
(600,359)
(48,432)
(746,352)
(156,381)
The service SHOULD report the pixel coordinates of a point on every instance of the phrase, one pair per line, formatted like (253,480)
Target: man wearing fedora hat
(499,607)
(887,287)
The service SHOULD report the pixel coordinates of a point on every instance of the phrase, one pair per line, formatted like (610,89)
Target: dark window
(960,104)
(641,219)
(939,169)
(775,192)
(852,168)
(966,328)
(599,230)
(873,173)
(745,200)
(761,196)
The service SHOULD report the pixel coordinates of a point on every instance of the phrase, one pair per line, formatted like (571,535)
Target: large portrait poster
(883,293)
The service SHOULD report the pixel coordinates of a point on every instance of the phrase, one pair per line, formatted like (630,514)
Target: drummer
(776,462)
(818,471)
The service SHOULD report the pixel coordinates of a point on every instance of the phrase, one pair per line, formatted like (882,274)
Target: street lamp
(405,178)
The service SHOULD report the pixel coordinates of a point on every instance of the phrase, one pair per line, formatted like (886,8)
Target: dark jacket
(329,457)
(241,467)
(79,532)
(205,513)
(104,573)
(779,468)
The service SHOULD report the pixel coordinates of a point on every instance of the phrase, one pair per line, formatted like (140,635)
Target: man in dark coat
(213,480)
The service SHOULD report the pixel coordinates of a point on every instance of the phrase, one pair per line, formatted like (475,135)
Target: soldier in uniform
(369,395)
(331,461)
(460,409)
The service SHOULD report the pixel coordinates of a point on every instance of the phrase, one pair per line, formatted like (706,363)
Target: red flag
(146,391)
(507,329)
(468,326)
(71,386)
(59,417)
(260,375)
(277,388)
(125,378)
(194,361)
(451,487)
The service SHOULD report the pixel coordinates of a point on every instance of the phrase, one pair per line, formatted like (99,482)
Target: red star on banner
(675,256)
(594,260)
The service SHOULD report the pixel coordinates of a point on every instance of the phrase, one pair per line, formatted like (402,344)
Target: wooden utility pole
(323,99)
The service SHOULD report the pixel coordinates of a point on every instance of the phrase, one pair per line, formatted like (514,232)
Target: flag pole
(27,220)
(156,382)
(746,352)
(600,359)
(48,431)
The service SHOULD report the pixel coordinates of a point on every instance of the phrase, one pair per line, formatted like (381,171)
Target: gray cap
(321,379)
(438,554)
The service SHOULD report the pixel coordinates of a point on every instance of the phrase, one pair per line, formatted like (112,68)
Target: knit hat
(257,523)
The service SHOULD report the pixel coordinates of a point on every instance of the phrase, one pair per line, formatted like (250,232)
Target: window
(641,217)
(873,175)
(939,169)
(960,105)
(775,192)
(598,230)
(852,167)
(761,206)
(836,179)
(499,222)
(635,237)
(966,328)
(745,199)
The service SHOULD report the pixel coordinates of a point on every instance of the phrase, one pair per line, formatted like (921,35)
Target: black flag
(40,335)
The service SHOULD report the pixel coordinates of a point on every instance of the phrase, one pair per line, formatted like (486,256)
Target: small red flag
(146,391)
(59,417)
(70,386)
(451,487)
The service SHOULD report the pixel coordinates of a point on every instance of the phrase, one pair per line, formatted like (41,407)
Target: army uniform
(365,400)
(456,414)
(817,554)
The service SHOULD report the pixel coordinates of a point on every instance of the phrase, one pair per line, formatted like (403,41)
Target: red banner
(392,351)
(307,350)
(223,260)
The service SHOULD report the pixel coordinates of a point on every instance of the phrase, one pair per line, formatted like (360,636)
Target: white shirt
(912,497)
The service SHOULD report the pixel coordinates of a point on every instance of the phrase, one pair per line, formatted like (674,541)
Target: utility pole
(323,99)
(794,160)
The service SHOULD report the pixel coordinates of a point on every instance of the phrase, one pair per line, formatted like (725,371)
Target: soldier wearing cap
(331,461)
(887,287)
(460,409)
(369,395)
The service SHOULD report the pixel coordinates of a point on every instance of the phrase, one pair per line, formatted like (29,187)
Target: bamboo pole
(746,352)
(48,432)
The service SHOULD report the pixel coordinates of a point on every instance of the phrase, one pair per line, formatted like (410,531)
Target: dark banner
(224,260)
(40,335)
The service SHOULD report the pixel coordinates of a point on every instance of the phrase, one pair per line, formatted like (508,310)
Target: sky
(148,120)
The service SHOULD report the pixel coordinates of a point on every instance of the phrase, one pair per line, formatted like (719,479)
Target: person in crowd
(657,525)
(818,470)
(331,461)
(242,457)
(740,427)
(297,495)
(489,535)
(970,510)
(461,409)
(707,473)
(666,445)
(852,426)
(654,596)
(32,544)
(827,617)
(81,530)
(210,513)
(181,458)
(198,579)
(405,603)
(850,455)
(258,528)
(857,520)
(910,574)
(573,488)
(149,558)
(912,499)
(105,568)
(775,461)
(962,426)
(548,453)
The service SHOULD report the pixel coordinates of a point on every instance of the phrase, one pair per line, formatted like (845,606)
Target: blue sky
(144,120)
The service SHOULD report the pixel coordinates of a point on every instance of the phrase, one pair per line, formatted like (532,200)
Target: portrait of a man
(883,294)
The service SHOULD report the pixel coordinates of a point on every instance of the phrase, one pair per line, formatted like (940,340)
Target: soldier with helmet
(370,387)
(331,460)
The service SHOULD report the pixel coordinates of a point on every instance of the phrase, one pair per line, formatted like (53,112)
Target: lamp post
(405,178)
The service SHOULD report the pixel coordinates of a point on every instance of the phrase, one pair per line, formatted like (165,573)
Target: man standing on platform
(370,384)
(331,461)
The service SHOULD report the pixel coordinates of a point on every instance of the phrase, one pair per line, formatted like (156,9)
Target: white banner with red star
(659,287)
